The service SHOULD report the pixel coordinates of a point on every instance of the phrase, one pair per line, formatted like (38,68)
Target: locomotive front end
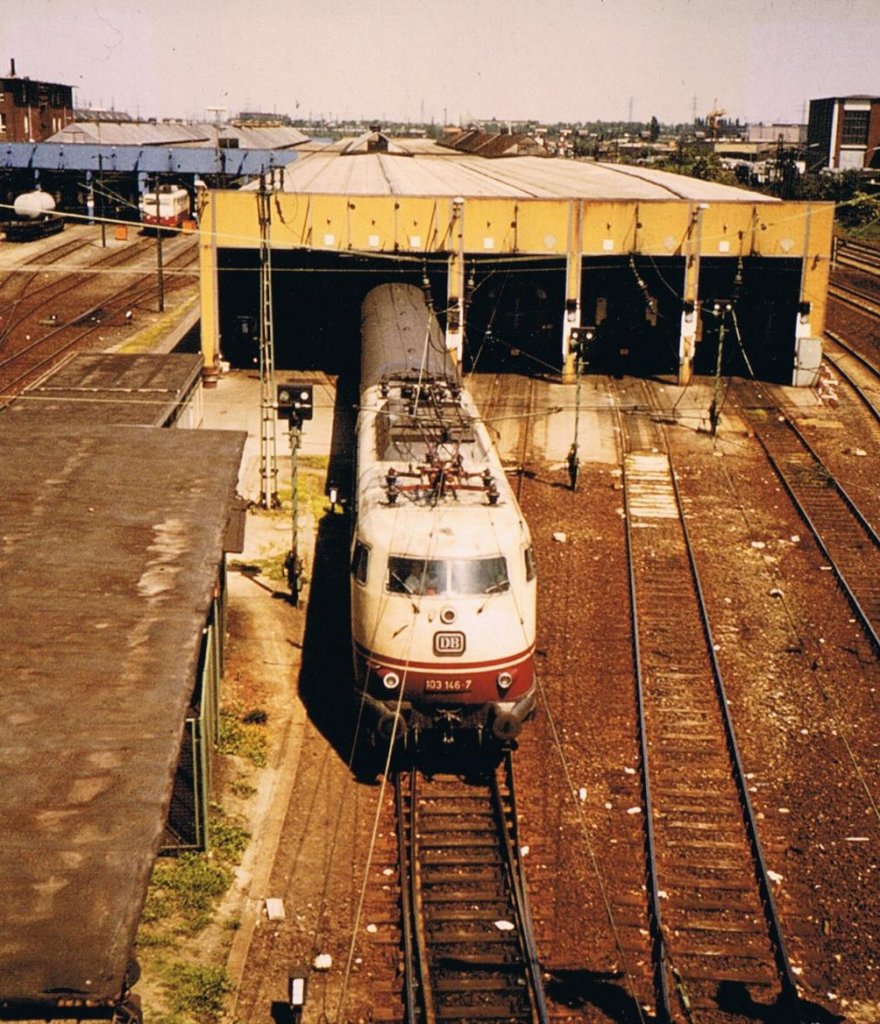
(452,644)
(442,572)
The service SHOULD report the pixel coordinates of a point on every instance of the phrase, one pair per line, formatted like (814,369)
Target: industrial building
(844,133)
(519,253)
(31,111)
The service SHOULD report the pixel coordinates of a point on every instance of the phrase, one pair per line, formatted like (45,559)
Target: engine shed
(519,252)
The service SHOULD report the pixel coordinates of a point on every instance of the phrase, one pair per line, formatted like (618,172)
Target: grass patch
(198,990)
(243,788)
(183,893)
(241,738)
(181,902)
(227,840)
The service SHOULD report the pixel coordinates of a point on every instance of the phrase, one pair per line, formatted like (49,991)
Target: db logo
(449,643)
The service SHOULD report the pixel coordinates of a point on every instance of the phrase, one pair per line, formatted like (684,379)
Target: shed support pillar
(455,311)
(690,318)
(209,292)
(573,276)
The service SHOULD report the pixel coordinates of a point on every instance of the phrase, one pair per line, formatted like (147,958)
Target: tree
(654,129)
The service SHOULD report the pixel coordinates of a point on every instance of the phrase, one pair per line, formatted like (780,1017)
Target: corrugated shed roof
(112,538)
(131,133)
(266,136)
(174,133)
(438,171)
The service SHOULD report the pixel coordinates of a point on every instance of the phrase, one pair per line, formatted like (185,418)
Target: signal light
(295,401)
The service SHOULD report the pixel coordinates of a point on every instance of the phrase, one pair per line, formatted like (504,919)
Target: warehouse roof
(111,542)
(424,168)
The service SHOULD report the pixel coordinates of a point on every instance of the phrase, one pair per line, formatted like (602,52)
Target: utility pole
(268,439)
(159,264)
(101,200)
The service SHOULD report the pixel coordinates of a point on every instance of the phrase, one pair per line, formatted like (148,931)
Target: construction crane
(713,118)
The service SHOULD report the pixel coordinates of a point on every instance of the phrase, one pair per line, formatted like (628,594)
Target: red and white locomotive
(168,207)
(442,569)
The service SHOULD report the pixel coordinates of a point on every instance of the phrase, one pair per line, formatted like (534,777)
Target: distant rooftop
(111,132)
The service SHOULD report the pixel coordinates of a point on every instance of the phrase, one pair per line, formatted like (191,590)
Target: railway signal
(294,403)
(720,308)
(580,340)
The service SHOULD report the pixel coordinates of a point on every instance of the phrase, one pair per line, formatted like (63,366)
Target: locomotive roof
(427,444)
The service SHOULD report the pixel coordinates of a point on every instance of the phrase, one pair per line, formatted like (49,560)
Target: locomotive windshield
(434,576)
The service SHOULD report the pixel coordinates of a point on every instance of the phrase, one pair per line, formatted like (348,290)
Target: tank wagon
(167,207)
(34,218)
(443,580)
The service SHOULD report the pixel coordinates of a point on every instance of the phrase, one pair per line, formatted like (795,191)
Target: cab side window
(360,562)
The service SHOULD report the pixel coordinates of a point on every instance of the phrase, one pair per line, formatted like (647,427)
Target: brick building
(844,133)
(31,111)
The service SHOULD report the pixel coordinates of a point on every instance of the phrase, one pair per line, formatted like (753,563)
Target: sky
(449,60)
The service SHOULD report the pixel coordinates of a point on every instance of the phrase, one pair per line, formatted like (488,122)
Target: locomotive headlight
(447,616)
(505,680)
(391,680)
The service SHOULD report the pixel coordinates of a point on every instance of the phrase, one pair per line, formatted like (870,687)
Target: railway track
(34,297)
(467,934)
(858,255)
(863,379)
(849,542)
(716,940)
(856,298)
(40,260)
(33,343)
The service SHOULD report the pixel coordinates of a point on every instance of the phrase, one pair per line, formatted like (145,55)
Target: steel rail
(517,880)
(851,253)
(848,503)
(788,1001)
(71,279)
(790,997)
(848,377)
(130,295)
(420,964)
(858,300)
(412,990)
(655,914)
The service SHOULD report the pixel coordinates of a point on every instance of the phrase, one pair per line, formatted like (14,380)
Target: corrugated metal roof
(267,136)
(174,133)
(132,133)
(438,171)
(111,540)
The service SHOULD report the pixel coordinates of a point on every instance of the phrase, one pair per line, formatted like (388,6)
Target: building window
(2,124)
(855,128)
